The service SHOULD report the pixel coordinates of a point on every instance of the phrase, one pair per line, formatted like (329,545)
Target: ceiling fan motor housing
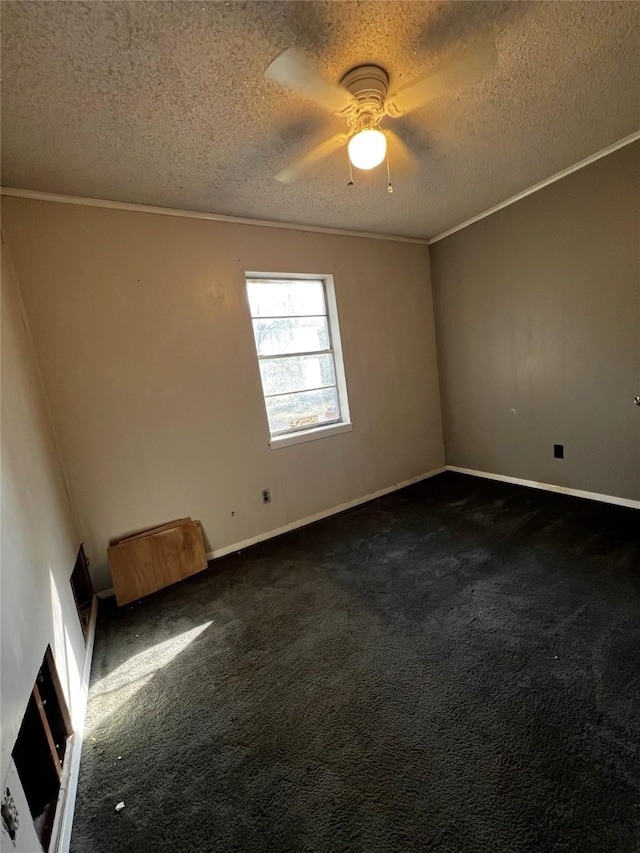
(368,84)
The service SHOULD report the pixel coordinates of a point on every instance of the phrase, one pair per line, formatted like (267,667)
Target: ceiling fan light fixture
(367,149)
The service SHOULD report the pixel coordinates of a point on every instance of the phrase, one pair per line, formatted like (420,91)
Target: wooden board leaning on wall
(144,562)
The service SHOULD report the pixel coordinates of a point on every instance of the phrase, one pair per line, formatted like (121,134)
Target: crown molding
(627,140)
(197,214)
(318,229)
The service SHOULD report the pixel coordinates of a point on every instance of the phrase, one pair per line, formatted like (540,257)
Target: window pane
(303,410)
(280,375)
(291,334)
(285,298)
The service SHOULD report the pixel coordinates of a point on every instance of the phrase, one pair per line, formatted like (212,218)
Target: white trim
(331,304)
(61,835)
(309,435)
(532,484)
(627,140)
(271,534)
(290,226)
(548,487)
(106,593)
(198,214)
(325,513)
(263,276)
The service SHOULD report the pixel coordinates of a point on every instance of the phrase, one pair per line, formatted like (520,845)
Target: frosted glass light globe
(367,149)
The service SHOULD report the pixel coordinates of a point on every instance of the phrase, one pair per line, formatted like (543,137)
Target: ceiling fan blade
(463,67)
(401,160)
(296,71)
(313,156)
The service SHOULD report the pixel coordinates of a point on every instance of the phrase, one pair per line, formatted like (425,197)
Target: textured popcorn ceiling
(164,103)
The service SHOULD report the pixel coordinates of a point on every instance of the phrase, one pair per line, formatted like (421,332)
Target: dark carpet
(453,667)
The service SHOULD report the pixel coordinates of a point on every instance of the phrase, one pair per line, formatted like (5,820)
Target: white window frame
(304,434)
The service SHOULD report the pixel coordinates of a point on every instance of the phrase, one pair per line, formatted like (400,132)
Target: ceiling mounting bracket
(368,84)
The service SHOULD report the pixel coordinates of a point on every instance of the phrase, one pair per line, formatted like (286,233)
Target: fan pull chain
(351,181)
(389,187)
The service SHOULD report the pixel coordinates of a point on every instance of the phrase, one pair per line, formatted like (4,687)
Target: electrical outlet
(558,451)
(266,496)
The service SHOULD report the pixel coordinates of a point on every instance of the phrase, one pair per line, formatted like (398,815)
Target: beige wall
(39,536)
(144,335)
(538,319)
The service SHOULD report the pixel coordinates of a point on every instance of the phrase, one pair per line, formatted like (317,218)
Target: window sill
(309,435)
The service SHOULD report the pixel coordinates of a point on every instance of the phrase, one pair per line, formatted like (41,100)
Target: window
(295,326)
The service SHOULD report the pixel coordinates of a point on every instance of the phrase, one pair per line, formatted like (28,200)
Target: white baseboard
(325,513)
(63,824)
(548,487)
(106,593)
(294,525)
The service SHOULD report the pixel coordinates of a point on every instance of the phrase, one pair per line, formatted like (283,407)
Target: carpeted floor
(454,667)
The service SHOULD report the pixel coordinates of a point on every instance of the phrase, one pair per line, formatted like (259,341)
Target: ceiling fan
(362,99)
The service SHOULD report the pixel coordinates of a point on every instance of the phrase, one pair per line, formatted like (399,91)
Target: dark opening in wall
(41,746)
(82,589)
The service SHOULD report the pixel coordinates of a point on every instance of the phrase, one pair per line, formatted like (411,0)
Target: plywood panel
(150,530)
(148,563)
